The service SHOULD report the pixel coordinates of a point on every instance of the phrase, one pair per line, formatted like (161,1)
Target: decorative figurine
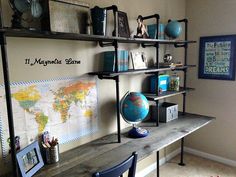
(141,29)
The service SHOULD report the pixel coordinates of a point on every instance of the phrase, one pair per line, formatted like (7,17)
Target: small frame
(217,57)
(123,25)
(30,160)
(139,60)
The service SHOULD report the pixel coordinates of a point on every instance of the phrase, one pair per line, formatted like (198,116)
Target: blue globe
(134,107)
(173,29)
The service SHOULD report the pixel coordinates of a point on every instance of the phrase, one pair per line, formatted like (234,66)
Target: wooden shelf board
(83,37)
(166,94)
(105,152)
(139,71)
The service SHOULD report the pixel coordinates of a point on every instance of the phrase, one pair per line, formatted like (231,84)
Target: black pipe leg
(158,169)
(118,109)
(9,103)
(182,153)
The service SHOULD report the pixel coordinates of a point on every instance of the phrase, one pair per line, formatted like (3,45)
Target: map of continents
(27,99)
(67,108)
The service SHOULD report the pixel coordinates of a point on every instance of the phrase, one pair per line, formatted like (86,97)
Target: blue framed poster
(217,57)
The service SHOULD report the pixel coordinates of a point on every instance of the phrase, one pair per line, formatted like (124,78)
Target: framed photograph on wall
(217,57)
(123,25)
(30,160)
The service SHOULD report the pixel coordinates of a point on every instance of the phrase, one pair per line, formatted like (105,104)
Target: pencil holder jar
(52,154)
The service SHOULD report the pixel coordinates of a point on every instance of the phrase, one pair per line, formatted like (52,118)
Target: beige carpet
(195,167)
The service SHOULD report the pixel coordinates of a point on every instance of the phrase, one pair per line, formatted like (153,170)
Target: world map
(67,108)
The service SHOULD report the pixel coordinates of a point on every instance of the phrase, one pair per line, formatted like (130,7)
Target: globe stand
(138,132)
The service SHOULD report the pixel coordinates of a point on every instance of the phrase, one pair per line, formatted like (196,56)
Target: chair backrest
(118,170)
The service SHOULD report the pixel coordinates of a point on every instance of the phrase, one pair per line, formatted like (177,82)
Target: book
(109,61)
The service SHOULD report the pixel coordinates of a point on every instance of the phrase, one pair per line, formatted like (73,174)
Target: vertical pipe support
(8,103)
(158,164)
(182,153)
(118,108)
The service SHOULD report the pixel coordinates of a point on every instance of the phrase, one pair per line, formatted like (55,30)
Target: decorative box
(168,112)
(109,61)
(70,16)
(163,83)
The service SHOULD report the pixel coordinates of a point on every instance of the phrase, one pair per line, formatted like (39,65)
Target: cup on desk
(52,154)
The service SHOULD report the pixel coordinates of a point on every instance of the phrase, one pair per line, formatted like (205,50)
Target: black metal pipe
(115,10)
(182,153)
(118,108)
(184,104)
(105,44)
(1,18)
(158,164)
(185,63)
(116,56)
(157,113)
(9,103)
(157,16)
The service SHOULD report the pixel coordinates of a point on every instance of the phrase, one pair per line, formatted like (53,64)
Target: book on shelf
(109,61)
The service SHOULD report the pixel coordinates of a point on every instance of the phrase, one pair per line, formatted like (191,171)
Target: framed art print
(123,25)
(217,57)
(30,160)
(139,60)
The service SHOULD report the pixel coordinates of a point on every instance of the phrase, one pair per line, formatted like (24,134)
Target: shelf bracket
(106,44)
(2,39)
(180,45)
(149,45)
(106,77)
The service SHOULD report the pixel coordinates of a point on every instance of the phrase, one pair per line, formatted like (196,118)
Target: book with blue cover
(109,61)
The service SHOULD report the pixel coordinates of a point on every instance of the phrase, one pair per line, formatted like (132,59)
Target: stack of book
(109,61)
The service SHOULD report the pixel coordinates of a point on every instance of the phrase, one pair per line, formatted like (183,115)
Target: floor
(195,167)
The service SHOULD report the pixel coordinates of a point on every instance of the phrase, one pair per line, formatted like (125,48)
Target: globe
(134,109)
(173,29)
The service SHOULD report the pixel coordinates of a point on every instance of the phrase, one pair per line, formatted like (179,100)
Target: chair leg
(158,170)
(182,153)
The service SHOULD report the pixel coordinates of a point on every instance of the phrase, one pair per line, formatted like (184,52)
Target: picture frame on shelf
(30,160)
(217,57)
(123,25)
(139,60)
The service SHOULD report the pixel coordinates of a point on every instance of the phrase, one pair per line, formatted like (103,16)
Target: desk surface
(105,152)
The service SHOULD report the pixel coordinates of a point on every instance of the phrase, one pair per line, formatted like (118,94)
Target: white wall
(212,97)
(87,52)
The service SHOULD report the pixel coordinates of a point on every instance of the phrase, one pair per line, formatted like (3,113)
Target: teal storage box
(163,83)
(109,61)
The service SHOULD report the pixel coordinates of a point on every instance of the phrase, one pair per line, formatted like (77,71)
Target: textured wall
(87,52)
(212,97)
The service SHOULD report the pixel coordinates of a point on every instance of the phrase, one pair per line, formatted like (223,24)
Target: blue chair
(118,170)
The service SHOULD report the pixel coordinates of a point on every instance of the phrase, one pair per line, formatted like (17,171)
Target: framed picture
(30,160)
(123,25)
(139,60)
(217,57)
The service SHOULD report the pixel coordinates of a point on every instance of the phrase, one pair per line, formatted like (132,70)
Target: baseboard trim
(162,161)
(210,156)
(205,155)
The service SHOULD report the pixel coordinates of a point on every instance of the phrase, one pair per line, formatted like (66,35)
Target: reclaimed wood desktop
(105,152)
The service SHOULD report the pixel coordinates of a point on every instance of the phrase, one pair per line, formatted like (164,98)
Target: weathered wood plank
(84,37)
(104,153)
